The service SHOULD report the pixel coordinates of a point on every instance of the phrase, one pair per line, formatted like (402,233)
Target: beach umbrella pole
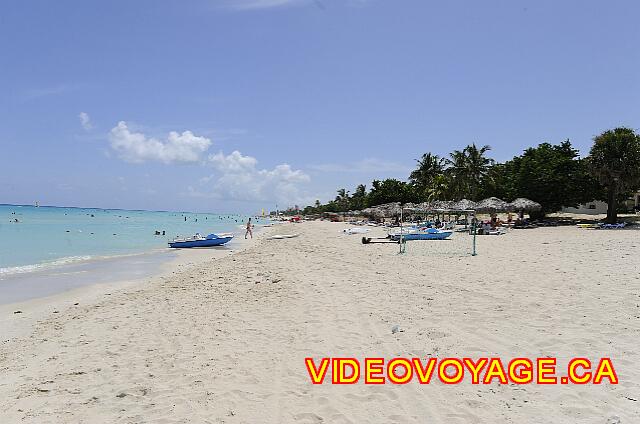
(473,228)
(402,241)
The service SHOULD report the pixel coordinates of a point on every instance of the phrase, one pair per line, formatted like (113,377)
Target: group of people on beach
(495,223)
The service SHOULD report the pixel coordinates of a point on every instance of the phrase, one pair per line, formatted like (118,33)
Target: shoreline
(36,308)
(141,264)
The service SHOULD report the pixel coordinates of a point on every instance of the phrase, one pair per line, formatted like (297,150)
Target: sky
(238,105)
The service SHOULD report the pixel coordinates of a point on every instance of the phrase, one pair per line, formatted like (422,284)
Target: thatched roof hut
(492,204)
(442,204)
(464,205)
(371,212)
(388,210)
(522,204)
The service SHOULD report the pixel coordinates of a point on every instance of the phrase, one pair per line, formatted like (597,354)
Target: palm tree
(343,199)
(478,166)
(438,189)
(467,169)
(615,160)
(359,197)
(429,166)
(457,174)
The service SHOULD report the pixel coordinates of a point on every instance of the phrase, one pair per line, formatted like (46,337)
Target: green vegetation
(615,160)
(552,175)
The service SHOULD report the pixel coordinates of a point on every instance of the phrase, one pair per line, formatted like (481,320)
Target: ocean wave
(43,265)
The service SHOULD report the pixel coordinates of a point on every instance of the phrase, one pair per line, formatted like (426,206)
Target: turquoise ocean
(47,237)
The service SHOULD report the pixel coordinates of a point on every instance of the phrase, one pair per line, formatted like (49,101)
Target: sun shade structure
(442,204)
(392,210)
(464,205)
(388,210)
(492,204)
(522,204)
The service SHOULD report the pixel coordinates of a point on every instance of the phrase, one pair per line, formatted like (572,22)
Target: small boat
(200,241)
(420,234)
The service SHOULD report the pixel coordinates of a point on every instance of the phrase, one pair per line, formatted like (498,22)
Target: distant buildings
(595,207)
(598,207)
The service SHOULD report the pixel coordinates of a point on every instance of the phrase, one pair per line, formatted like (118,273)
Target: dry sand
(224,340)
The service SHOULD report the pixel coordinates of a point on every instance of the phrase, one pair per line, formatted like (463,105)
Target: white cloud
(233,163)
(177,148)
(239,178)
(85,121)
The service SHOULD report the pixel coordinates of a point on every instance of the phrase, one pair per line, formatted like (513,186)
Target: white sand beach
(223,339)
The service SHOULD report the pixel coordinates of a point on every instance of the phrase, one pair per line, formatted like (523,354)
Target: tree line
(553,175)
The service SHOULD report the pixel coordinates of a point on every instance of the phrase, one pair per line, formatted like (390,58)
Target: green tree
(438,189)
(390,190)
(342,199)
(552,175)
(467,169)
(429,167)
(498,182)
(477,168)
(458,184)
(359,197)
(614,160)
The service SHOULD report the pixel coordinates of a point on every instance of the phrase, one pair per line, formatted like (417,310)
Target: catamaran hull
(200,243)
(423,236)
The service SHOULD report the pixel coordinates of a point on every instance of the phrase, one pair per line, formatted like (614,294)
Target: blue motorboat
(200,241)
(420,234)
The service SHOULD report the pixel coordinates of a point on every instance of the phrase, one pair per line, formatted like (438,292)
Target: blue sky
(241,104)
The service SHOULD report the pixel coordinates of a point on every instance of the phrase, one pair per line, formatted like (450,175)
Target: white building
(595,207)
(598,207)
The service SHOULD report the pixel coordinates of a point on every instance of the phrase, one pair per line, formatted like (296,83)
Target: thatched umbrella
(370,212)
(522,204)
(492,204)
(388,210)
(464,205)
(424,206)
(442,204)
(393,209)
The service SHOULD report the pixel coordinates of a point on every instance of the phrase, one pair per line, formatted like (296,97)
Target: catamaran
(200,241)
(415,233)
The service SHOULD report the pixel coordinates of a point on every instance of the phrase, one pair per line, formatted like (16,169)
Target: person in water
(249,229)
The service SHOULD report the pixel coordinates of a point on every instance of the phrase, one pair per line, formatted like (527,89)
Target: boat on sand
(420,234)
(200,241)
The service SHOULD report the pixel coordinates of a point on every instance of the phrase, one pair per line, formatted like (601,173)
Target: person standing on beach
(249,229)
